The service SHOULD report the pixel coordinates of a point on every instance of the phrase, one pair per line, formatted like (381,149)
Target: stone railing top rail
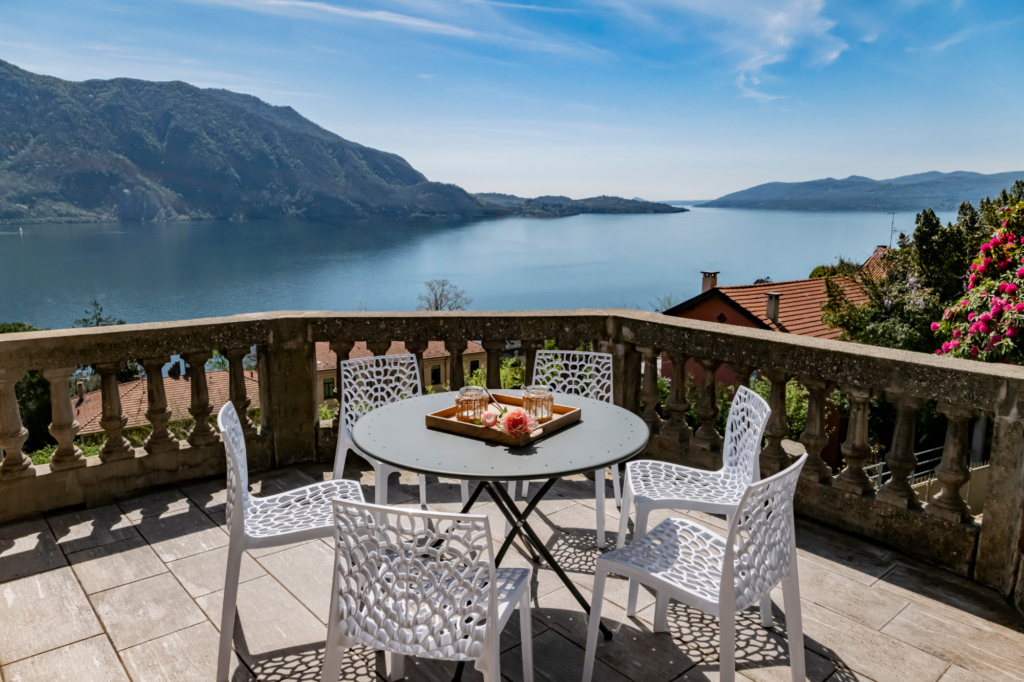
(993,386)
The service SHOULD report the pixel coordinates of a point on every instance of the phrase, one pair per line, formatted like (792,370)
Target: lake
(171,271)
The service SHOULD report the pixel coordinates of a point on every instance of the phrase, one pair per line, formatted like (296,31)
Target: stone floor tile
(432,670)
(616,590)
(707,671)
(306,572)
(42,612)
(635,651)
(144,610)
(27,548)
(934,588)
(210,495)
(581,521)
(189,654)
(877,655)
(710,521)
(274,624)
(842,553)
(89,528)
(958,674)
(137,507)
(203,573)
(852,599)
(90,660)
(543,580)
(119,563)
(266,551)
(555,659)
(181,533)
(981,650)
(277,481)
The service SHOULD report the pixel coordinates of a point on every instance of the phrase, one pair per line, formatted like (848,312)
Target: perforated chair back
(761,543)
(744,433)
(416,583)
(237,466)
(369,383)
(575,372)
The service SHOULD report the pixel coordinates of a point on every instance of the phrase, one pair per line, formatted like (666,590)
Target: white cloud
(758,32)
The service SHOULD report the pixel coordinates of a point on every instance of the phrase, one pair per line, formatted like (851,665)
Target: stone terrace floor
(132,591)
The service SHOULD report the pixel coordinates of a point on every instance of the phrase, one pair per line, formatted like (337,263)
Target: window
(435,375)
(474,365)
(328,389)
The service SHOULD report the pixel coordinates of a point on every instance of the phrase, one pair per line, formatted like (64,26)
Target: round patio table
(604,436)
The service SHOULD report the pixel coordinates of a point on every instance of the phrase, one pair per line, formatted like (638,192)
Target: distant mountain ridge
(935,190)
(128,149)
(559,206)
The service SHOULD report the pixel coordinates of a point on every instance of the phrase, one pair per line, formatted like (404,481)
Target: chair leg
(627,501)
(661,612)
(526,490)
(638,532)
(526,635)
(227,616)
(599,492)
(794,623)
(594,624)
(512,494)
(766,611)
(336,645)
(616,486)
(395,664)
(464,484)
(380,484)
(727,647)
(423,490)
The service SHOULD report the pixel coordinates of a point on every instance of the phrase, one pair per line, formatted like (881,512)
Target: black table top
(396,434)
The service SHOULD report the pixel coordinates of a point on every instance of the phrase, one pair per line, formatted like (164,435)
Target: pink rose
(935,326)
(1011,332)
(489,419)
(974,351)
(956,333)
(970,316)
(954,343)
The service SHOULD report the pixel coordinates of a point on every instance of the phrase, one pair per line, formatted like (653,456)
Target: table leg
(515,526)
(522,523)
(472,498)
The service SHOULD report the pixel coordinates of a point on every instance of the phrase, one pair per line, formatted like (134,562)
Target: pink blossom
(1010,288)
(1019,307)
(986,247)
(983,328)
(954,343)
(938,351)
(985,317)
(1011,332)
(1020,273)
(956,333)
(963,304)
(946,347)
(935,326)
(974,351)
(970,316)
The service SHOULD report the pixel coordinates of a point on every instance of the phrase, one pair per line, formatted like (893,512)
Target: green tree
(94,317)
(842,267)
(33,393)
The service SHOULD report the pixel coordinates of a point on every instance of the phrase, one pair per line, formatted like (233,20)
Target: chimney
(80,390)
(709,281)
(773,306)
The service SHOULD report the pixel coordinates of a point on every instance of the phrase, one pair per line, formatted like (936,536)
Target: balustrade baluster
(113,421)
(650,395)
(530,348)
(901,459)
(742,373)
(814,436)
(773,457)
(417,348)
(342,350)
(707,437)
(379,348)
(676,426)
(856,449)
(953,471)
(63,425)
(566,344)
(159,415)
(456,371)
(202,432)
(12,433)
(493,349)
(237,392)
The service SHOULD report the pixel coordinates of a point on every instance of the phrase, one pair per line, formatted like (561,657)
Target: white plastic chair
(424,584)
(682,560)
(662,485)
(366,384)
(584,374)
(254,522)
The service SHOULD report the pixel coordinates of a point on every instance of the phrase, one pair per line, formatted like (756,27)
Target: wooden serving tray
(445,420)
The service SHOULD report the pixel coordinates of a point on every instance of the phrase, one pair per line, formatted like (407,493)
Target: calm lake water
(171,271)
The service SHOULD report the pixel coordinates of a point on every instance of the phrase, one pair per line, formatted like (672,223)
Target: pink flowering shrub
(986,323)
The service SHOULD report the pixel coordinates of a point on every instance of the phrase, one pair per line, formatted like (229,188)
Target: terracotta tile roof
(135,399)
(799,306)
(326,359)
(874,265)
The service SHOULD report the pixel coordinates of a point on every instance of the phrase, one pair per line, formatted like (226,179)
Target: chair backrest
(744,433)
(761,543)
(414,582)
(575,372)
(369,383)
(238,468)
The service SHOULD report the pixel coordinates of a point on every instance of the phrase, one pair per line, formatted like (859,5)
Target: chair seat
(653,481)
(302,509)
(684,555)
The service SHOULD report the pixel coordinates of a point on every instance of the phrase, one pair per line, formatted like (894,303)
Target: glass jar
(470,404)
(538,402)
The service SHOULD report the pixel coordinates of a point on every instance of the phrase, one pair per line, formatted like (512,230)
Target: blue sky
(663,99)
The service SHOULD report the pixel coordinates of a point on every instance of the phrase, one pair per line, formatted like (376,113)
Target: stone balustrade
(942,531)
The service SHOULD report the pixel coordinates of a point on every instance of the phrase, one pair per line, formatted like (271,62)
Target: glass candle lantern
(538,402)
(470,404)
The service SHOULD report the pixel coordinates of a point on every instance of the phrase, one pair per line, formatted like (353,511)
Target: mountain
(127,149)
(935,190)
(558,206)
